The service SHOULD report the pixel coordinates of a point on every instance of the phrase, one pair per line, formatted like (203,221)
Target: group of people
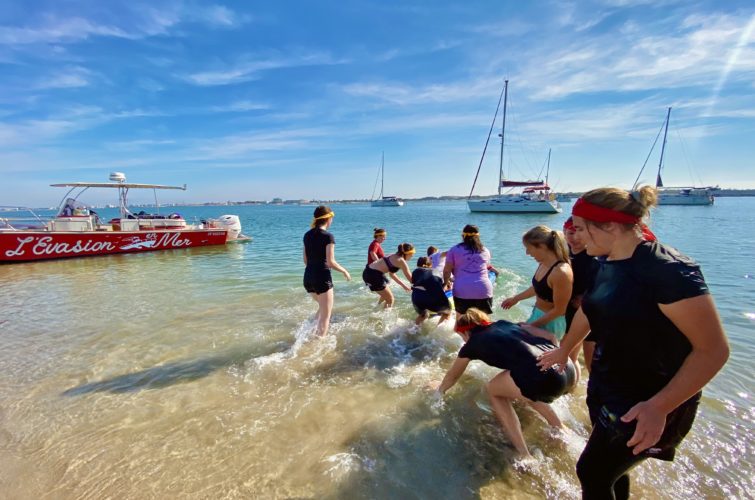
(651,332)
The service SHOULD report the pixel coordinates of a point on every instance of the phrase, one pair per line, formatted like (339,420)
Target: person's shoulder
(654,255)
(562,269)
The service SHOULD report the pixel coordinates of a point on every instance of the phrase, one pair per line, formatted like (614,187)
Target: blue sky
(254,100)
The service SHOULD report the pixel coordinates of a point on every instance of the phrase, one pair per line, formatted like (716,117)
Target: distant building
(277,201)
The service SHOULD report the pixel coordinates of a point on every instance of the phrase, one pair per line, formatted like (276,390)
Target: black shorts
(484,305)
(317,280)
(374,279)
(435,308)
(545,386)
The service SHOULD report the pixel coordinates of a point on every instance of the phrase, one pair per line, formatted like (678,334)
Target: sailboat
(684,195)
(385,201)
(531,196)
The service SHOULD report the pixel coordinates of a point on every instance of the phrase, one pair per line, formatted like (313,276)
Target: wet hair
(405,248)
(636,203)
(319,212)
(472,240)
(424,262)
(431,250)
(543,236)
(473,316)
(378,231)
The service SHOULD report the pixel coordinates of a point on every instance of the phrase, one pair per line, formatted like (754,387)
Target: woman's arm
(453,374)
(405,268)
(697,318)
(560,282)
(579,329)
(512,301)
(448,269)
(400,283)
(330,255)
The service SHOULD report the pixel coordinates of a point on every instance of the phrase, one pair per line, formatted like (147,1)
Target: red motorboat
(77,231)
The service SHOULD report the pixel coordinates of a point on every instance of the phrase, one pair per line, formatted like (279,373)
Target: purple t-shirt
(470,270)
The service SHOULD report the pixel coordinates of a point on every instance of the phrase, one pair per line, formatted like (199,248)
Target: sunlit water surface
(194,374)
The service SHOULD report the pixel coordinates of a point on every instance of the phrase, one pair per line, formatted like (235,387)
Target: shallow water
(194,373)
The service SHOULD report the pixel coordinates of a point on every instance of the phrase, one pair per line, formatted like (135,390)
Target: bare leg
(325,301)
(502,391)
(444,317)
(421,318)
(545,410)
(386,296)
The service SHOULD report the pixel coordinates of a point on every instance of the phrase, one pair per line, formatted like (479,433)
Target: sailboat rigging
(534,198)
(385,201)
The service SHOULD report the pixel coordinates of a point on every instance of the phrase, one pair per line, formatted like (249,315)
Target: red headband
(569,225)
(466,328)
(595,213)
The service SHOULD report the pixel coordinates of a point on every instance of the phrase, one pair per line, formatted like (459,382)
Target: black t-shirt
(638,349)
(584,268)
(315,242)
(431,291)
(506,346)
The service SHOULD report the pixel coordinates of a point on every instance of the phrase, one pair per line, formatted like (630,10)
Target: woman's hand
(650,424)
(433,385)
(509,302)
(346,275)
(552,358)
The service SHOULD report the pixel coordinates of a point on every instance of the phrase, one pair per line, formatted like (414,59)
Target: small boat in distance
(532,196)
(77,231)
(680,195)
(385,201)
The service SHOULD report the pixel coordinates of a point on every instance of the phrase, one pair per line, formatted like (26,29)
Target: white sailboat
(681,195)
(532,196)
(385,201)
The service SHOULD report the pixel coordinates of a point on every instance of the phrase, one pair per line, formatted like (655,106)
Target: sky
(298,100)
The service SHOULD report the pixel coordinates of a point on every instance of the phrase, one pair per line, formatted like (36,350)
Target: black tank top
(542,290)
(391,267)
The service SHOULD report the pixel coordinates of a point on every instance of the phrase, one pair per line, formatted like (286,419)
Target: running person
(428,295)
(515,350)
(319,259)
(551,283)
(583,267)
(468,263)
(374,274)
(375,251)
(659,341)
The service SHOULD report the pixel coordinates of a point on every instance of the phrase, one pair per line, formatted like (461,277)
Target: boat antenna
(658,180)
(503,92)
(637,180)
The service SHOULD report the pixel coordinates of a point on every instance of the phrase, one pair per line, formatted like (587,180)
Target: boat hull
(696,200)
(392,203)
(514,206)
(25,246)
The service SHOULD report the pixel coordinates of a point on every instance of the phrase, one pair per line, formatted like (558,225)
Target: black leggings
(604,465)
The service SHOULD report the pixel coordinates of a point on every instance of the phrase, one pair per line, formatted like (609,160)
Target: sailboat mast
(503,133)
(548,167)
(658,180)
(382,174)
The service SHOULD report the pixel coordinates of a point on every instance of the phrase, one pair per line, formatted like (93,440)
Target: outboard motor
(230,223)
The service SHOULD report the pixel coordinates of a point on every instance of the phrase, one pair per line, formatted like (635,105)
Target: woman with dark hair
(375,251)
(552,282)
(583,267)
(468,262)
(659,340)
(374,274)
(513,349)
(319,259)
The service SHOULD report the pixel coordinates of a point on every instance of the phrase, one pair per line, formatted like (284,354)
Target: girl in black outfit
(514,349)
(659,340)
(374,273)
(319,259)
(428,295)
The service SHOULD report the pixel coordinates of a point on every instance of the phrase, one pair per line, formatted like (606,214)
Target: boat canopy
(544,187)
(117,185)
(505,183)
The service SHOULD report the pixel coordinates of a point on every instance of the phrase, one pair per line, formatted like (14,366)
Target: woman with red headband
(659,340)
(513,349)
(468,263)
(319,259)
(374,274)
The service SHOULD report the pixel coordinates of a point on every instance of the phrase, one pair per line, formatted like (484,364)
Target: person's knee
(589,475)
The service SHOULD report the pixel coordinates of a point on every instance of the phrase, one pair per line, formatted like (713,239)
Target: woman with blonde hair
(374,274)
(515,350)
(658,336)
(319,259)
(551,283)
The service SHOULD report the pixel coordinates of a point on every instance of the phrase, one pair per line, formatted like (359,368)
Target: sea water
(194,373)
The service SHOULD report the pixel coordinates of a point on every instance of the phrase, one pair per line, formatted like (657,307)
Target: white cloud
(240,106)
(66,78)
